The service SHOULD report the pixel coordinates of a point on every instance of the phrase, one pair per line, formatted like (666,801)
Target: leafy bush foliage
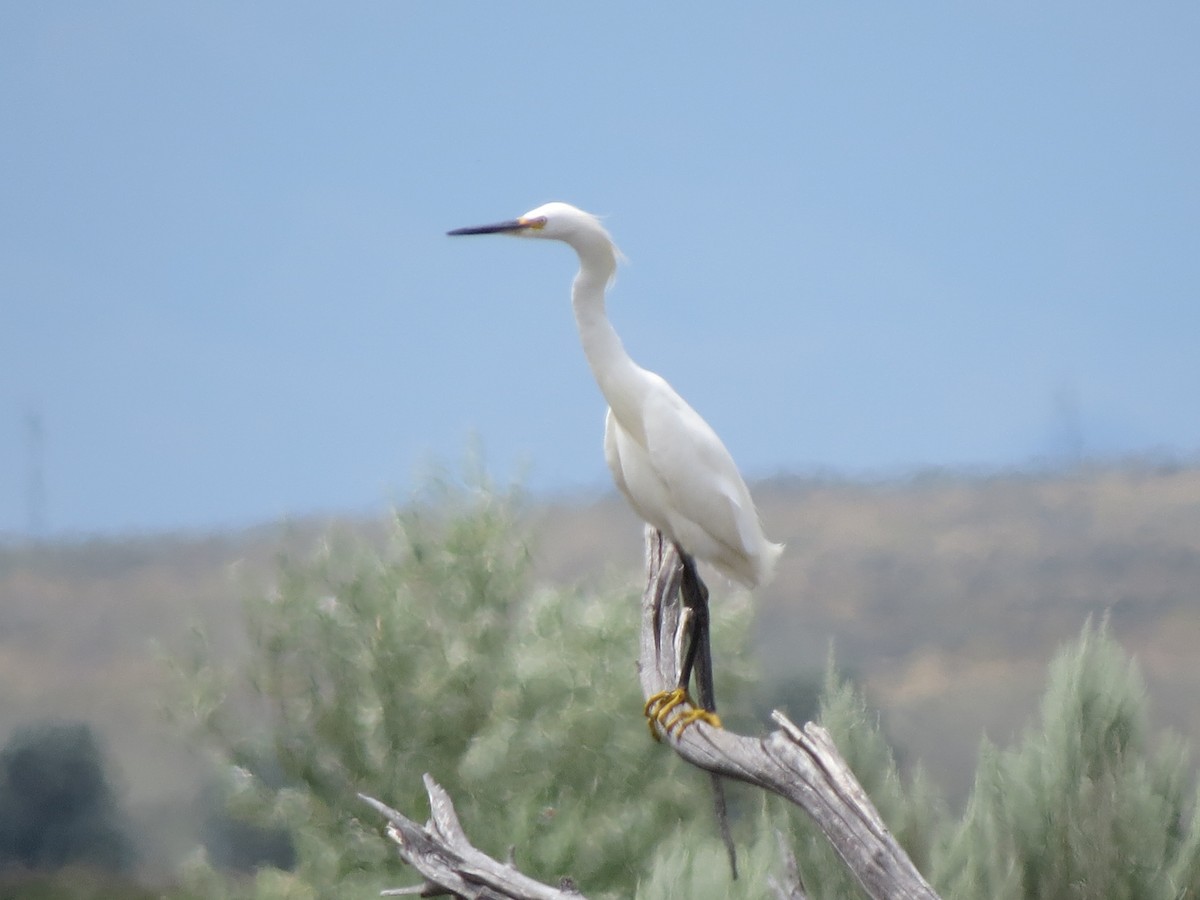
(57,805)
(436,653)
(235,844)
(1086,806)
(81,883)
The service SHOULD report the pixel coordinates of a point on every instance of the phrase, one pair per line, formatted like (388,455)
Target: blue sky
(863,238)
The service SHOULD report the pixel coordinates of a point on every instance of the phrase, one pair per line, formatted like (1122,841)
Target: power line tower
(35,474)
(1069,425)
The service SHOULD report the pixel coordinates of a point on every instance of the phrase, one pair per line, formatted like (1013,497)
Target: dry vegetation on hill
(944,596)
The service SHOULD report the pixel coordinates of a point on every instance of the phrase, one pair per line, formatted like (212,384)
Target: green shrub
(57,804)
(437,654)
(1085,806)
(80,883)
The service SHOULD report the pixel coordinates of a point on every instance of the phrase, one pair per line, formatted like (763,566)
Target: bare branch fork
(449,863)
(800,764)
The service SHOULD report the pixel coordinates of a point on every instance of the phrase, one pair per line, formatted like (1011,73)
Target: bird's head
(562,222)
(555,221)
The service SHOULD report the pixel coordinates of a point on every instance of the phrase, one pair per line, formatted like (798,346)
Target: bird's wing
(612,456)
(700,476)
(634,475)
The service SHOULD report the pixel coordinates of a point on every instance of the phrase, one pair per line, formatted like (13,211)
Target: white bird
(665,459)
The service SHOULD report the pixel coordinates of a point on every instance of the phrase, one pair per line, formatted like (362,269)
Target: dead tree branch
(449,863)
(800,764)
(791,886)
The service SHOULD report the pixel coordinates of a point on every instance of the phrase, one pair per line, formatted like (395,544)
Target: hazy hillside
(945,595)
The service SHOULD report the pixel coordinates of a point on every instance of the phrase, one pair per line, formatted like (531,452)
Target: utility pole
(35,474)
(1069,425)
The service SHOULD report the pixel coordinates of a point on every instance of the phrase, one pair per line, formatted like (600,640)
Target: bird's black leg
(670,709)
(698,654)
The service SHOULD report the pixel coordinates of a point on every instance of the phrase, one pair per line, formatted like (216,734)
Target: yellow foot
(688,717)
(659,706)
(662,704)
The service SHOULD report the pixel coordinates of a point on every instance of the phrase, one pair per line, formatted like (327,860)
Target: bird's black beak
(509,227)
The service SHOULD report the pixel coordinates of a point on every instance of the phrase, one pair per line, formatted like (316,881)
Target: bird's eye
(539,223)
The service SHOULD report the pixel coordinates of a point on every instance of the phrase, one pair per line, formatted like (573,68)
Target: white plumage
(665,459)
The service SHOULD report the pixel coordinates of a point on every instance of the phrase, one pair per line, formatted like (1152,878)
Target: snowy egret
(665,459)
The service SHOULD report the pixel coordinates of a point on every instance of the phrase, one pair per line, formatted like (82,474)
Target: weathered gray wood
(800,764)
(791,886)
(450,865)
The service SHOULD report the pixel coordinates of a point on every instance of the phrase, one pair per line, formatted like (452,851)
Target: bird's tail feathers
(766,563)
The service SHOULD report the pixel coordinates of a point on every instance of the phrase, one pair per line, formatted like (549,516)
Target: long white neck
(618,376)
